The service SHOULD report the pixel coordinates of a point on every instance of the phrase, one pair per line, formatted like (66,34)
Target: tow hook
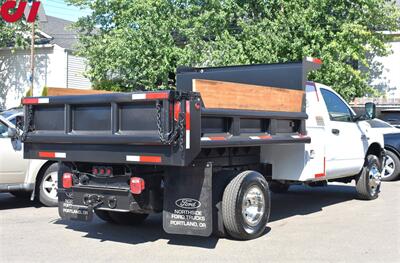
(93,200)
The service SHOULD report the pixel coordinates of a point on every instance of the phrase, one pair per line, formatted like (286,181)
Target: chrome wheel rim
(253,206)
(374,179)
(49,185)
(390,166)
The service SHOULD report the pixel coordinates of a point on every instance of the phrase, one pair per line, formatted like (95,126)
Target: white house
(389,81)
(55,64)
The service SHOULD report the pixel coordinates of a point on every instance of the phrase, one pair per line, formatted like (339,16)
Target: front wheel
(246,206)
(368,182)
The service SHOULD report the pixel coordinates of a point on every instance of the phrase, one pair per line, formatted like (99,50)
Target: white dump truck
(207,154)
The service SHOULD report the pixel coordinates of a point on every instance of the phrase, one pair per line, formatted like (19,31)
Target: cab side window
(337,109)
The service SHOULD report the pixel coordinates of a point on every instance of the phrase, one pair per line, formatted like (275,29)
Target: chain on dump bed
(28,127)
(172,136)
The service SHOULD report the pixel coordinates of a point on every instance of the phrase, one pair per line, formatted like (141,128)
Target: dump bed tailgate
(142,127)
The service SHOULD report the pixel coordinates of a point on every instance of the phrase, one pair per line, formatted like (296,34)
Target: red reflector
(188,115)
(157,95)
(217,138)
(150,159)
(47,154)
(102,171)
(177,110)
(108,171)
(30,101)
(67,180)
(95,171)
(136,185)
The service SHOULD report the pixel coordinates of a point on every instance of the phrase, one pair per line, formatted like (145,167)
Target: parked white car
(19,176)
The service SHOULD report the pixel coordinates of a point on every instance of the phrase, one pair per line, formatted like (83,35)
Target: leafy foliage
(137,44)
(11,34)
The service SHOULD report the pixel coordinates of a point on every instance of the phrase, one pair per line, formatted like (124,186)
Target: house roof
(59,32)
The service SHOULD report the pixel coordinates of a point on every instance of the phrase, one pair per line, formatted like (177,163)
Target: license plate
(75,212)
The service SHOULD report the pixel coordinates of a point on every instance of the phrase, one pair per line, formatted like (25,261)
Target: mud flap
(66,208)
(69,211)
(188,200)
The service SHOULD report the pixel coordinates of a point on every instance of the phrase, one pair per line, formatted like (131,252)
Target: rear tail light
(67,180)
(137,185)
(102,170)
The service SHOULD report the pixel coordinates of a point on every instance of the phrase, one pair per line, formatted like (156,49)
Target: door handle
(335,131)
(364,137)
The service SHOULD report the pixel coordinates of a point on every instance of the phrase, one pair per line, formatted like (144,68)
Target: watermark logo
(11,11)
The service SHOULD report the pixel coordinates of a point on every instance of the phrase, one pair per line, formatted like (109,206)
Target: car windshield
(379,124)
(3,130)
(7,114)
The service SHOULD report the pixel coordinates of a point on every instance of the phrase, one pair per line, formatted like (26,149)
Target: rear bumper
(102,198)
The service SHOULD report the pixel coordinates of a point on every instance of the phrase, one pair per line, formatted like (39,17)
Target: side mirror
(370,110)
(12,133)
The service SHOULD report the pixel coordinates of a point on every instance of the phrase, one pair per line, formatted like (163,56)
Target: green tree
(137,44)
(11,36)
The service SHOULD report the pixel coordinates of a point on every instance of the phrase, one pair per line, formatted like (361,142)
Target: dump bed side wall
(288,75)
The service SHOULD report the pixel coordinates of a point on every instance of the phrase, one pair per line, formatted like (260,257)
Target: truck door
(344,147)
(12,164)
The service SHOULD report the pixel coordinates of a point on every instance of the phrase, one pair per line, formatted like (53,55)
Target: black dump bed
(162,127)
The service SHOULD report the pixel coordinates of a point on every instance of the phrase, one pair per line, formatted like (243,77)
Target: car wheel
(48,186)
(368,182)
(127,218)
(104,215)
(246,206)
(391,171)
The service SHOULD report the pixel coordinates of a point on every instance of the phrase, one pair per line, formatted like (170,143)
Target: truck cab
(347,137)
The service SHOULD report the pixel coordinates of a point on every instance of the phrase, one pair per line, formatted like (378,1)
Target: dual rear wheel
(246,205)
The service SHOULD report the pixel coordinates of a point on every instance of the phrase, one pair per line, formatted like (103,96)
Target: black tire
(104,215)
(394,165)
(232,202)
(21,194)
(366,185)
(278,188)
(44,197)
(126,218)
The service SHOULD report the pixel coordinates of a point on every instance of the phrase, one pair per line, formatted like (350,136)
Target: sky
(60,9)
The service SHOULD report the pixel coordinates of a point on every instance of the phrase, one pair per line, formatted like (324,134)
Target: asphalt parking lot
(307,225)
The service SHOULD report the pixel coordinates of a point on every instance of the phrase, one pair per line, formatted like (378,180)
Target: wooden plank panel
(69,91)
(229,95)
